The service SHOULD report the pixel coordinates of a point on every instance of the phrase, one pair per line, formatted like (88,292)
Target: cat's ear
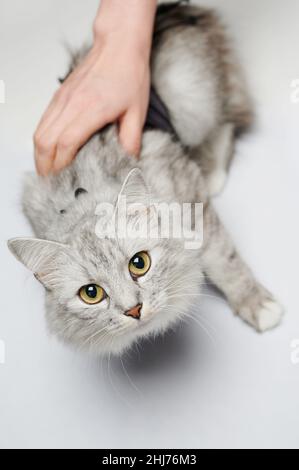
(135,189)
(42,257)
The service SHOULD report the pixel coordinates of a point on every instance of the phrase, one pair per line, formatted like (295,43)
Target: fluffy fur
(199,80)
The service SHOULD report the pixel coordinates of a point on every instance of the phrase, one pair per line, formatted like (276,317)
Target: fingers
(59,113)
(54,137)
(61,110)
(44,137)
(76,134)
(55,149)
(43,160)
(54,108)
(86,102)
(130,132)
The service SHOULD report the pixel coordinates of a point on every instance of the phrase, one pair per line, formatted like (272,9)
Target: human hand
(111,84)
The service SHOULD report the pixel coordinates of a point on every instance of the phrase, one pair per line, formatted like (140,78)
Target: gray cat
(107,293)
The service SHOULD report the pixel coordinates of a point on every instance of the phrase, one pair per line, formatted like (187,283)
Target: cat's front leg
(227,271)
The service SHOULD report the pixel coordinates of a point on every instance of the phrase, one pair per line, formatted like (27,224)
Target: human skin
(110,85)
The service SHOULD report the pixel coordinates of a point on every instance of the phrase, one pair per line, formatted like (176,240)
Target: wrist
(127,23)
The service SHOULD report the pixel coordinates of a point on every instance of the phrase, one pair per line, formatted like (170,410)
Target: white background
(222,385)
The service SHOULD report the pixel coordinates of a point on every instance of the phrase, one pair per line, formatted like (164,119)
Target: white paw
(268,316)
(216,182)
(260,310)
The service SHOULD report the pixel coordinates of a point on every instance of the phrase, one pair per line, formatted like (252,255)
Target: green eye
(92,294)
(140,264)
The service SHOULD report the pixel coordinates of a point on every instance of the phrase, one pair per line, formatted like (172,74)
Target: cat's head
(105,292)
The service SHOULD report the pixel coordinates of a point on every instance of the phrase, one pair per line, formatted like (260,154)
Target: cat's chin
(116,347)
(120,344)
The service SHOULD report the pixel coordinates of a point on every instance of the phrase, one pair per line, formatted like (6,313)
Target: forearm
(131,20)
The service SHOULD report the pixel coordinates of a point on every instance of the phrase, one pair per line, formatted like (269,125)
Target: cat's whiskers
(199,295)
(93,335)
(184,314)
(205,320)
(215,297)
(100,340)
(110,377)
(197,320)
(69,325)
(129,378)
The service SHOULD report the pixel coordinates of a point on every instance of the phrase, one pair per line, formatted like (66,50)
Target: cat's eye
(139,264)
(92,294)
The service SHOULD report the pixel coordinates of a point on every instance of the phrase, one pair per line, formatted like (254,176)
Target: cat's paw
(268,316)
(216,182)
(263,315)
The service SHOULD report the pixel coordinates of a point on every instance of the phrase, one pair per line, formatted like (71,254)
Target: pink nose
(134,311)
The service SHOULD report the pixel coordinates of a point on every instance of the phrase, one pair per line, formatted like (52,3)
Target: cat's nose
(134,311)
